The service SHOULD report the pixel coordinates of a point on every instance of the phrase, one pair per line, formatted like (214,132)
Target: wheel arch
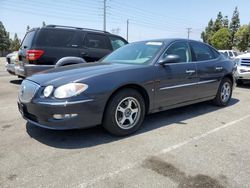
(136,87)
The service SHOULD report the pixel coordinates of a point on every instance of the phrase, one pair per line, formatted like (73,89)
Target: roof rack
(71,27)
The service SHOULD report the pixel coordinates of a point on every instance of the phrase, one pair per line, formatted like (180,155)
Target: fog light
(63,116)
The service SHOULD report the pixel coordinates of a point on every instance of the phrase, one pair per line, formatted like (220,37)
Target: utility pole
(189,29)
(104,14)
(127,28)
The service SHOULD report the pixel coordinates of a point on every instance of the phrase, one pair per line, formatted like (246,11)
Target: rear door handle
(218,68)
(190,71)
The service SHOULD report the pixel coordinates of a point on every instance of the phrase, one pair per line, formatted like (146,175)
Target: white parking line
(164,151)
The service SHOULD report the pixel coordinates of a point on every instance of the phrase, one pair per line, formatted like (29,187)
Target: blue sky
(148,19)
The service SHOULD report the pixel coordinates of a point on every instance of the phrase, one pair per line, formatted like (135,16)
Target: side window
(202,52)
(215,53)
(181,49)
(116,42)
(95,41)
(56,38)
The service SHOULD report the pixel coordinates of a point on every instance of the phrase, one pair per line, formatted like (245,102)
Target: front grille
(27,91)
(245,62)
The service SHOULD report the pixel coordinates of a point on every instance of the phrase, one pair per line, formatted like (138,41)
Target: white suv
(231,54)
(243,68)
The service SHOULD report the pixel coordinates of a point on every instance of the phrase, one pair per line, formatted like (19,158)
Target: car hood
(247,55)
(76,73)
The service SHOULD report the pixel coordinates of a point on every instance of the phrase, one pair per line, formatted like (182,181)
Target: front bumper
(10,68)
(242,73)
(28,69)
(41,113)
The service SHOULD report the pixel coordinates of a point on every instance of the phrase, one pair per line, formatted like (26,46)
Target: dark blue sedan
(119,90)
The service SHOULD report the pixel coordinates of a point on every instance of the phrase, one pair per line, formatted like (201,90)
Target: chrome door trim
(185,85)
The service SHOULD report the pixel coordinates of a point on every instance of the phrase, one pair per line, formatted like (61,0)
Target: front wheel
(224,92)
(125,112)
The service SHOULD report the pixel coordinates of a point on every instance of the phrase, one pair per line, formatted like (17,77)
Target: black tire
(110,121)
(218,100)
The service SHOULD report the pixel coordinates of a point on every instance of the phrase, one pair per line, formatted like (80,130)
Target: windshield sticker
(154,43)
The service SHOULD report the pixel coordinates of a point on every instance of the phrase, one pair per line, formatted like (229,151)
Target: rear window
(55,38)
(27,41)
(202,51)
(116,42)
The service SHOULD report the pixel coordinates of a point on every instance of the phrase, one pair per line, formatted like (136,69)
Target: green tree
(235,24)
(218,24)
(15,43)
(242,38)
(4,39)
(225,22)
(221,39)
(208,33)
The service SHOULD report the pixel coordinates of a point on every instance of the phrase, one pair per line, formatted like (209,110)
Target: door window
(96,41)
(116,42)
(181,49)
(202,52)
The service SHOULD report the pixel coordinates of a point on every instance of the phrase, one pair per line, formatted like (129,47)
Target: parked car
(243,68)
(42,48)
(11,62)
(230,54)
(119,90)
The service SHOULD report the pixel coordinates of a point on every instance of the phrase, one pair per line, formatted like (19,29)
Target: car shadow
(16,82)
(83,138)
(246,85)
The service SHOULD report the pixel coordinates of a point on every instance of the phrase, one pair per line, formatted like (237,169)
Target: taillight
(32,55)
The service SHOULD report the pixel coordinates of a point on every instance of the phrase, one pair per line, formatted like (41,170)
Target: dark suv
(43,48)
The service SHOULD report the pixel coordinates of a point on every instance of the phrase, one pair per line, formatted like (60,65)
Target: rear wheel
(125,112)
(224,92)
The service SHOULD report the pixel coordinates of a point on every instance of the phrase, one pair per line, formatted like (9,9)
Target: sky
(148,19)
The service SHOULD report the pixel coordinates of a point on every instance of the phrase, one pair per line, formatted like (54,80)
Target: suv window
(202,51)
(181,49)
(96,41)
(116,42)
(230,54)
(27,41)
(55,38)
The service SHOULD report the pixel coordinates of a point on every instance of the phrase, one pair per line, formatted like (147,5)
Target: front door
(177,82)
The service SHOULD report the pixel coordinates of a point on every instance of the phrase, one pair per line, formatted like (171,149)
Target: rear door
(177,81)
(94,47)
(209,69)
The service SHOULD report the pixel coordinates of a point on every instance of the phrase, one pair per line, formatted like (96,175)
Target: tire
(224,93)
(121,112)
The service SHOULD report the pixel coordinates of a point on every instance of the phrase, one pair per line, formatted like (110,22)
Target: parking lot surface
(195,146)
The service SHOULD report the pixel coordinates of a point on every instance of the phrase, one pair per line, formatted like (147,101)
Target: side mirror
(170,59)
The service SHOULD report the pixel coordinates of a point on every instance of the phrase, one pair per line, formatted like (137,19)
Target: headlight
(48,90)
(69,90)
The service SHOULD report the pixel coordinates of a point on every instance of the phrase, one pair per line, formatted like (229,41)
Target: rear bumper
(41,114)
(243,73)
(28,70)
(10,68)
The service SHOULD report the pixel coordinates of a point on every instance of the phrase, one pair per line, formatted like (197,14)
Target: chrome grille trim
(27,91)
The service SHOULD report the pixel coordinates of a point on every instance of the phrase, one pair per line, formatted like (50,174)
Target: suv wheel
(224,92)
(124,113)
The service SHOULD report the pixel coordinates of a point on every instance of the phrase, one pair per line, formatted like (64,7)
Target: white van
(231,54)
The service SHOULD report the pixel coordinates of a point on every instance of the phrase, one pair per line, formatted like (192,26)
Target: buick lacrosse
(119,90)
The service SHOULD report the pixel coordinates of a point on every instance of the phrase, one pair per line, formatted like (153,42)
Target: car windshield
(135,53)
